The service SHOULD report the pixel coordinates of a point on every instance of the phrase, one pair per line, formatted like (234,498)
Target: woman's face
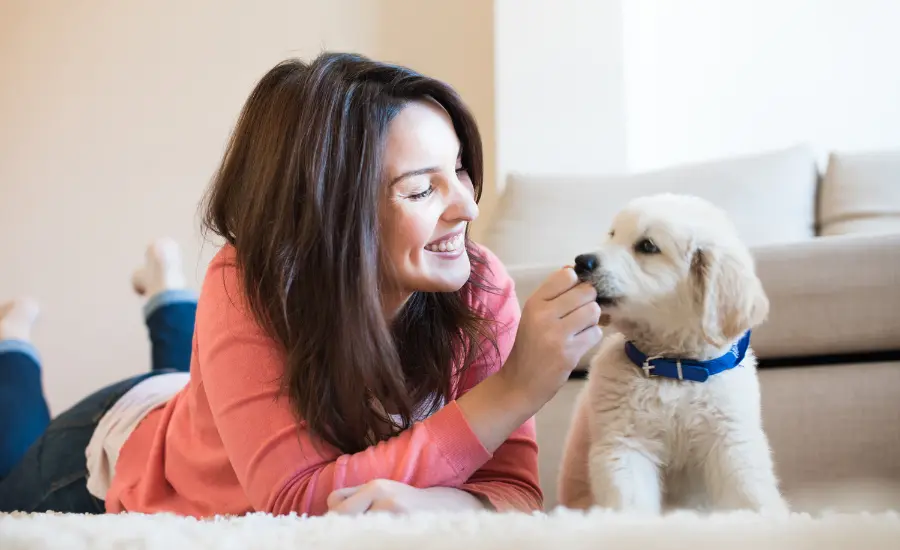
(429,202)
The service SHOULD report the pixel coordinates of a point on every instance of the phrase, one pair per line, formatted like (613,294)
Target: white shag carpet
(558,530)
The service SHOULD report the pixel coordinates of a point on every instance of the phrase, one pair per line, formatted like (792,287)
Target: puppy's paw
(776,509)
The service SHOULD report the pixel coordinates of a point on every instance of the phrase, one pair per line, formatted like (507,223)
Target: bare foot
(17,317)
(162,269)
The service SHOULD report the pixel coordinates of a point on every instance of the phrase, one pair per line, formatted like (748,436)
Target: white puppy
(682,295)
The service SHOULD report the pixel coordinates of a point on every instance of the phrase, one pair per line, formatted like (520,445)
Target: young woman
(354,351)
(53,475)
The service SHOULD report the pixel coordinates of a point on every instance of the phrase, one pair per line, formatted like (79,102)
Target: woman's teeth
(450,245)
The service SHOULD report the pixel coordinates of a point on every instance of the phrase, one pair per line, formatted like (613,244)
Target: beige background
(559,86)
(114,116)
(709,79)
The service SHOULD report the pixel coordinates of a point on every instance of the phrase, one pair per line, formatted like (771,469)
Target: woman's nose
(462,202)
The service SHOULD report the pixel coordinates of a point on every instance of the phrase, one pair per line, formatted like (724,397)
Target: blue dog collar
(689,369)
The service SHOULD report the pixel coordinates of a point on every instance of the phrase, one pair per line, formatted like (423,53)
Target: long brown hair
(297,196)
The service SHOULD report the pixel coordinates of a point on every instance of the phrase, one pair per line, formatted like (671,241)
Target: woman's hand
(384,495)
(558,326)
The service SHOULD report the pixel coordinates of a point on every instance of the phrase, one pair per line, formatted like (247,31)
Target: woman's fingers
(574,299)
(340,495)
(556,284)
(585,316)
(351,503)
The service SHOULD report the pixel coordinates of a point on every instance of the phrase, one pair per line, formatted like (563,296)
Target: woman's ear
(730,296)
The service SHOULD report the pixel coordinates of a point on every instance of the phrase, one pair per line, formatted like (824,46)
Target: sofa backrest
(550,219)
(860,194)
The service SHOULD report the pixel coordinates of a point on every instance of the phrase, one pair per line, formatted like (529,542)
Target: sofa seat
(830,296)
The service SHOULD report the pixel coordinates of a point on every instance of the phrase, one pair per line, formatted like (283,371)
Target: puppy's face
(674,264)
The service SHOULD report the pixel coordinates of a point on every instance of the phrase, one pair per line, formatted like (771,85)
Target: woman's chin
(448,280)
(450,285)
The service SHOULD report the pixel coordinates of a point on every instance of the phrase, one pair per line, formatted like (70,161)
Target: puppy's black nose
(585,263)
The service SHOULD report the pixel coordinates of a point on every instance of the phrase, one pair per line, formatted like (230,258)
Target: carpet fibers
(561,529)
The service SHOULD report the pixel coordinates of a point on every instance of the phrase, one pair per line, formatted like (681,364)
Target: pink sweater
(229,444)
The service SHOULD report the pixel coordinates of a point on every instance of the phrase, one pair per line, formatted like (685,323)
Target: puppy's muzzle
(585,264)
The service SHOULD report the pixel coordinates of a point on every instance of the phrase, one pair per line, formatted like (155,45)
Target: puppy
(670,416)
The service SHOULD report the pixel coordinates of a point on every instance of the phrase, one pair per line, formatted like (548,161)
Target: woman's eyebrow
(411,173)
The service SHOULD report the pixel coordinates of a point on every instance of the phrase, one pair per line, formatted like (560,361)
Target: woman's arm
(282,469)
(509,480)
(276,461)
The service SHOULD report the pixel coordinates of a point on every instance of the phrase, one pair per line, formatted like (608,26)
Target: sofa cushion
(551,219)
(830,295)
(832,423)
(861,194)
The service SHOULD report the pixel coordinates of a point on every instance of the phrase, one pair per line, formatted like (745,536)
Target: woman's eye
(422,195)
(646,246)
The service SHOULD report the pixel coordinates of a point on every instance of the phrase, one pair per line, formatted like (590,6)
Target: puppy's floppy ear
(730,295)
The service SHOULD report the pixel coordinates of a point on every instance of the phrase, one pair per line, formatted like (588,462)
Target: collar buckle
(648,368)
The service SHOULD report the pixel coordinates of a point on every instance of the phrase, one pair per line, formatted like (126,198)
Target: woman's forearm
(495,409)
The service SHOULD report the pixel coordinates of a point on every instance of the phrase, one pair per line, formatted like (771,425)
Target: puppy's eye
(612,233)
(646,246)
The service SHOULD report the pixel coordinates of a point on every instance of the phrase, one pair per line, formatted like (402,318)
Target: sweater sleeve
(273,456)
(509,480)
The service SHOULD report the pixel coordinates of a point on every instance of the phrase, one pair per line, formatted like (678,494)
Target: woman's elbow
(297,495)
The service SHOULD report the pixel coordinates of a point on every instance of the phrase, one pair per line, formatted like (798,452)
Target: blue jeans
(42,461)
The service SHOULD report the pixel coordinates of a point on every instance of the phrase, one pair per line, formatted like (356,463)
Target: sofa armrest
(830,295)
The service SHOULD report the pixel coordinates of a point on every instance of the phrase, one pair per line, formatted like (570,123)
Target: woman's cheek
(418,229)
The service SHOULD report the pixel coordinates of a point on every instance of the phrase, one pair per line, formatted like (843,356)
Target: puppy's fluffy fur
(676,280)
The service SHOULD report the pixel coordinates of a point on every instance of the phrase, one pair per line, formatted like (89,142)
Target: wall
(707,79)
(452,41)
(618,86)
(559,86)
(115,115)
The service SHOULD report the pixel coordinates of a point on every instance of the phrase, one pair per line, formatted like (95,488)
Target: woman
(85,439)
(353,350)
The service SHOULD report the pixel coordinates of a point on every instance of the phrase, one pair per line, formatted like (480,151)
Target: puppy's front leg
(624,479)
(740,475)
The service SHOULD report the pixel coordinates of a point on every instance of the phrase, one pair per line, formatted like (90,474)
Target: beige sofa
(828,252)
